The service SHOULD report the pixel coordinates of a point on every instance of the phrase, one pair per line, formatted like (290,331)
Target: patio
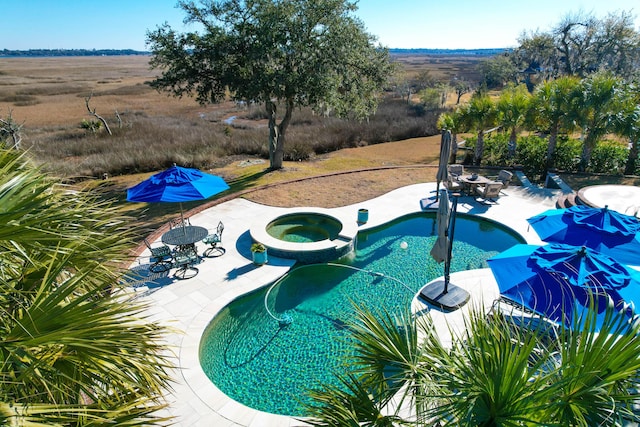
(189,305)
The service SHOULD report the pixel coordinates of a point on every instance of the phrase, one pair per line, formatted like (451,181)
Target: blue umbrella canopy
(558,281)
(177,184)
(602,229)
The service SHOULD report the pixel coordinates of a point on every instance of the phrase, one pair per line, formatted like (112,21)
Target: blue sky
(447,24)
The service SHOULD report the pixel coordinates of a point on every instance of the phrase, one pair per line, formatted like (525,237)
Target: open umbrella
(445,150)
(558,281)
(602,229)
(177,184)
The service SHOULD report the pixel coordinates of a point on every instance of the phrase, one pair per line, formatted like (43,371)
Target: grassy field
(47,96)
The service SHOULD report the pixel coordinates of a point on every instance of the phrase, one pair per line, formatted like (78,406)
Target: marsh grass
(157,130)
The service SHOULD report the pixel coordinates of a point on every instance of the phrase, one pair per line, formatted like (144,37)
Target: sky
(410,24)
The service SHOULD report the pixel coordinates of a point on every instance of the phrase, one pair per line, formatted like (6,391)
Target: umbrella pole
(441,293)
(449,233)
(182,219)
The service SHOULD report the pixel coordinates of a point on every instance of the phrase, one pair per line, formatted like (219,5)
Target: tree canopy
(293,53)
(581,44)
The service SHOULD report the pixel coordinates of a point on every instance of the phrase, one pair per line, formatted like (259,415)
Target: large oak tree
(289,53)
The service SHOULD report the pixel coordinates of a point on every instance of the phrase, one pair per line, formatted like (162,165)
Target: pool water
(255,361)
(304,228)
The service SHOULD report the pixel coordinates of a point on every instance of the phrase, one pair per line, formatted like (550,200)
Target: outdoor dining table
(470,182)
(187,235)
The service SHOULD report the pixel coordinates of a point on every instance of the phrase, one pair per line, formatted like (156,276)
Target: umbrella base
(434,294)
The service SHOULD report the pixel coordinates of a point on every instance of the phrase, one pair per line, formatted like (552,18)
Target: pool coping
(345,237)
(191,304)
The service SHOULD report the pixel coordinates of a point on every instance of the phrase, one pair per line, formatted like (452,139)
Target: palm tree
(627,124)
(598,104)
(495,373)
(480,114)
(513,107)
(553,107)
(72,351)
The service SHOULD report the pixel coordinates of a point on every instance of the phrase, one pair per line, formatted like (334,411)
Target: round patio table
(184,236)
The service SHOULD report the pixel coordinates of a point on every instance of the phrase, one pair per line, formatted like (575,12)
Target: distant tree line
(70,52)
(578,45)
(456,52)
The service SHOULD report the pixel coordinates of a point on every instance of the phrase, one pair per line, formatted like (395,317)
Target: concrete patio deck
(189,305)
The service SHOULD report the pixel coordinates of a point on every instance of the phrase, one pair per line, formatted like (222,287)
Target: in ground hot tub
(307,235)
(304,227)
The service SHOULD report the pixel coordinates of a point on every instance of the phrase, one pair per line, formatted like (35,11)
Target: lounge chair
(185,261)
(160,257)
(489,191)
(215,242)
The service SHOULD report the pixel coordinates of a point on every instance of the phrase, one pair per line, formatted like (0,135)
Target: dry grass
(47,96)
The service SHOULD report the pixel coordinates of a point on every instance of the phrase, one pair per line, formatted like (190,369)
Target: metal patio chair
(160,257)
(185,260)
(215,242)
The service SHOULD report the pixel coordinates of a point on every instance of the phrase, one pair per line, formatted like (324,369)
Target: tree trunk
(96,115)
(477,158)
(551,148)
(632,160)
(513,141)
(273,134)
(585,157)
(277,133)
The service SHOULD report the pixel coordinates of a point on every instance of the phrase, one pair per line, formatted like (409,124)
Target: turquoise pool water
(253,360)
(304,228)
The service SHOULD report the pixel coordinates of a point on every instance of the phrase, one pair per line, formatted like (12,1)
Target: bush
(607,157)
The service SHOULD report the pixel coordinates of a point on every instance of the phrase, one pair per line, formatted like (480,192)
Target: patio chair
(452,184)
(504,177)
(179,222)
(160,257)
(489,191)
(215,242)
(456,170)
(185,261)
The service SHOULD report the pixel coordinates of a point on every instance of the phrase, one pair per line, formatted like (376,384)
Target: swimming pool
(255,361)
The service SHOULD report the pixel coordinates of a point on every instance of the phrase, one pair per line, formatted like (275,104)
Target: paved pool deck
(188,305)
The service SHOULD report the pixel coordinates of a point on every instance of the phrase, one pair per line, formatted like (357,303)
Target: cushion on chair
(212,238)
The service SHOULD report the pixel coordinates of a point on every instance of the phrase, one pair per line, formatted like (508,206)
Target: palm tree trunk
(477,158)
(632,160)
(553,141)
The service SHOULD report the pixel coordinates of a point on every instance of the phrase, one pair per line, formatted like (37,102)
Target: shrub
(609,157)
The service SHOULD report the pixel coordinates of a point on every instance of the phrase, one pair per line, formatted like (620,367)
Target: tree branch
(94,114)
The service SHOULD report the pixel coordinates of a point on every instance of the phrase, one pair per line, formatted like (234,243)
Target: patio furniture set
(184,255)
(486,188)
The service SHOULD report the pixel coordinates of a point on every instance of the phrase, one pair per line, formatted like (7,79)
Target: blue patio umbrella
(177,184)
(602,229)
(557,281)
